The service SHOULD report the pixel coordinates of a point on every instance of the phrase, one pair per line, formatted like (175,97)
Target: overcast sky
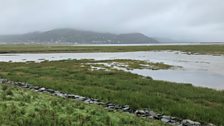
(180,20)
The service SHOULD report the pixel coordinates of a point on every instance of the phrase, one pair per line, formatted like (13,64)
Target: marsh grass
(181,100)
(26,108)
(196,49)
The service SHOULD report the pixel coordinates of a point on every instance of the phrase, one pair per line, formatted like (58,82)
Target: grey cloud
(180,20)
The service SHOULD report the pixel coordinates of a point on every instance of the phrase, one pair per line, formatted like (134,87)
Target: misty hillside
(77,36)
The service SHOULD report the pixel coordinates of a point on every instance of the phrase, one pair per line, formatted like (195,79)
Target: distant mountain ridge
(77,36)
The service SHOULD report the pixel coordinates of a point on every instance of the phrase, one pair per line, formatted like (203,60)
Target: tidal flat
(117,86)
(200,70)
(176,80)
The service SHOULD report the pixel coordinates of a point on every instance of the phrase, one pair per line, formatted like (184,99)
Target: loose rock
(188,122)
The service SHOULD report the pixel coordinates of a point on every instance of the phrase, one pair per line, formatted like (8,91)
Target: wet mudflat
(199,70)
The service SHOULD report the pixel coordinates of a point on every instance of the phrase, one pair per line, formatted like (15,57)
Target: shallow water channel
(199,70)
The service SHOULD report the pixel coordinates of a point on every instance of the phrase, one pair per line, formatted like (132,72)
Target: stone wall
(145,113)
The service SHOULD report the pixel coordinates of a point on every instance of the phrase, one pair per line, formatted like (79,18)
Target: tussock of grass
(179,100)
(26,108)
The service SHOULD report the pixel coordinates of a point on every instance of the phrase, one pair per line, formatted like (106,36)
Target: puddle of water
(197,78)
(200,70)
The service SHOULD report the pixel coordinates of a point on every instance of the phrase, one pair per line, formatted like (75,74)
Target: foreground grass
(201,49)
(26,108)
(185,101)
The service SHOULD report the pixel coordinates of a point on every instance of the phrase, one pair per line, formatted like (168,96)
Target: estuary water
(199,70)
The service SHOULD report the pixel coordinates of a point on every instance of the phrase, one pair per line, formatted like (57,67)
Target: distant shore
(196,48)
